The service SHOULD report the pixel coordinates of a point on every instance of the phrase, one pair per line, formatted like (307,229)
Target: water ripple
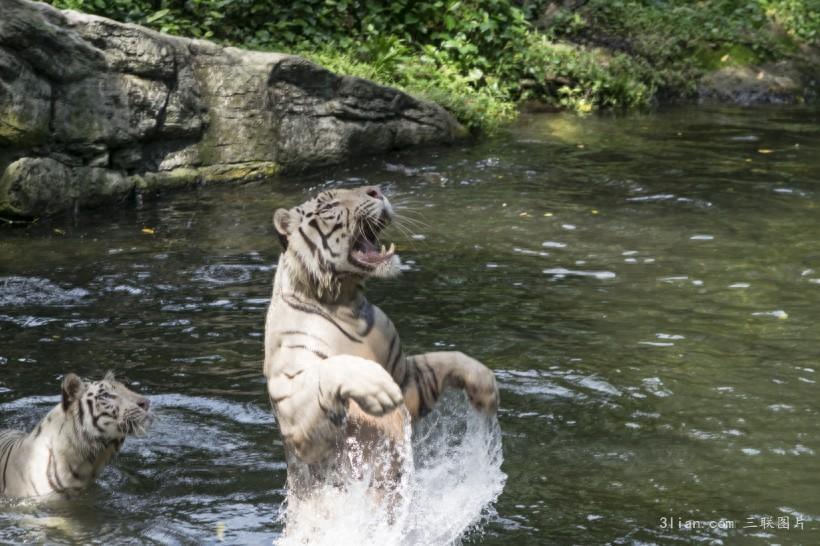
(20,291)
(227,273)
(561,272)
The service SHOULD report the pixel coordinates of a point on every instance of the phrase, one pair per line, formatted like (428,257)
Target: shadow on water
(646,287)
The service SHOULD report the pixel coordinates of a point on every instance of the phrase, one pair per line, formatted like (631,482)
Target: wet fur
(333,361)
(71,445)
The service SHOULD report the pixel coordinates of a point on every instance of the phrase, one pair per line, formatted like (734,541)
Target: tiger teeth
(392,248)
(383,250)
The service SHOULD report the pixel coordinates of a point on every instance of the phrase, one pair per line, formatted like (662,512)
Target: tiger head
(335,236)
(105,410)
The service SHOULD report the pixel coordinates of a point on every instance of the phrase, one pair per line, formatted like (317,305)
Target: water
(647,289)
(450,479)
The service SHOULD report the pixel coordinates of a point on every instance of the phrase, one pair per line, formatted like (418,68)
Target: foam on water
(451,478)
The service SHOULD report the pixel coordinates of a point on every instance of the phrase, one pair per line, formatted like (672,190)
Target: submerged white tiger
(337,377)
(71,445)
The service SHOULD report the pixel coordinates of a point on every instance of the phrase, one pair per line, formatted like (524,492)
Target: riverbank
(94,112)
(484,59)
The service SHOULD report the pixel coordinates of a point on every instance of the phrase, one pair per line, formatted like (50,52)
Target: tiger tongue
(369,252)
(367,246)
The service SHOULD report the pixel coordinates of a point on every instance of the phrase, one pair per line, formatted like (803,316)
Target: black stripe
(320,354)
(95,418)
(52,469)
(423,409)
(301,333)
(399,371)
(8,451)
(432,371)
(335,417)
(392,346)
(311,245)
(366,312)
(299,305)
(315,225)
(428,390)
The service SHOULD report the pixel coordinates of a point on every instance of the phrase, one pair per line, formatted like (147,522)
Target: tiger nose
(144,404)
(374,192)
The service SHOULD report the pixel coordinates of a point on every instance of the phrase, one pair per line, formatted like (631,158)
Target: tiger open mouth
(365,251)
(136,423)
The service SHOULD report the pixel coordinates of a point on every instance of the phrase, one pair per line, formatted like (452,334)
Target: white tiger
(73,443)
(333,361)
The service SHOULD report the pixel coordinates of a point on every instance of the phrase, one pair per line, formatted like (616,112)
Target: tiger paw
(368,384)
(478,381)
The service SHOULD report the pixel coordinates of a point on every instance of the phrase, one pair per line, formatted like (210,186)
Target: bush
(679,41)
(478,58)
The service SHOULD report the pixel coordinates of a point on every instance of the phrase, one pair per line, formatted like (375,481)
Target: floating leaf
(149,231)
(765,151)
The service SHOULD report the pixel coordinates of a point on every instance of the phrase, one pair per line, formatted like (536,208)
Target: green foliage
(799,18)
(682,40)
(432,76)
(573,77)
(479,57)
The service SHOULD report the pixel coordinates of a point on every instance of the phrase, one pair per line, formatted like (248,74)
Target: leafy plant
(478,58)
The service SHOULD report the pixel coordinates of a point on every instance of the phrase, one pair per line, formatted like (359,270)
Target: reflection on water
(645,287)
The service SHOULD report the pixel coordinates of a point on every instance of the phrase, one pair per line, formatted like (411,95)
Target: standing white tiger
(73,443)
(333,361)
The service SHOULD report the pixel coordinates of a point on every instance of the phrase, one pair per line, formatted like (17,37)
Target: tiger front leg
(428,374)
(311,399)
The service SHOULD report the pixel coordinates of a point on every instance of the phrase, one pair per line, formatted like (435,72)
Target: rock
(37,34)
(92,110)
(34,186)
(96,185)
(113,109)
(25,103)
(779,83)
(126,49)
(324,118)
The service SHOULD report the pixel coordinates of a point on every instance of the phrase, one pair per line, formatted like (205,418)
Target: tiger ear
(72,385)
(284,222)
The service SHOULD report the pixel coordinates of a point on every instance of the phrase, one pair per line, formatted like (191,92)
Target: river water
(646,288)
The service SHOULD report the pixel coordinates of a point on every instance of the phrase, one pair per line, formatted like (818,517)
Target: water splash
(451,479)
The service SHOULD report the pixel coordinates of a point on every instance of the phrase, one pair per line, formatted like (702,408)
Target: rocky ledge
(93,111)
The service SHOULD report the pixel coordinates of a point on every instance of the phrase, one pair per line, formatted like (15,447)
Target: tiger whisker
(408,222)
(411,228)
(404,216)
